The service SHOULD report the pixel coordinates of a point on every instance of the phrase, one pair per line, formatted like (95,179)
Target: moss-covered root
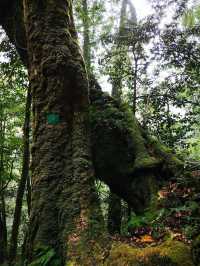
(170,253)
(169,161)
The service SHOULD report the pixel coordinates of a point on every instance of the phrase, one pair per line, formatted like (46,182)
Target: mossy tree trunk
(65,214)
(125,157)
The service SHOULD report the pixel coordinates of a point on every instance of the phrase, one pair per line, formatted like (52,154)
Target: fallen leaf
(147,239)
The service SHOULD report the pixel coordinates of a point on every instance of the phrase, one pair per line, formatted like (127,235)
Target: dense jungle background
(119,186)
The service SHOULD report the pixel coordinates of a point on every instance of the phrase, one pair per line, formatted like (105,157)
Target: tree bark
(64,213)
(22,182)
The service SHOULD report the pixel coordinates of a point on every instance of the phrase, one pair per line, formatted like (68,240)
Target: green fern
(45,257)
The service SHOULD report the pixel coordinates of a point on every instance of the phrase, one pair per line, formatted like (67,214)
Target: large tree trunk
(65,214)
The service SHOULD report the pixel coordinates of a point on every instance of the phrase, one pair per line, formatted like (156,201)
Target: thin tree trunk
(2,248)
(28,195)
(86,38)
(123,17)
(135,84)
(115,204)
(3,225)
(114,214)
(3,230)
(22,182)
(133,17)
(170,141)
(117,80)
(65,212)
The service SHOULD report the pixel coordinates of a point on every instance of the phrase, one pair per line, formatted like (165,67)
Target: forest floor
(175,216)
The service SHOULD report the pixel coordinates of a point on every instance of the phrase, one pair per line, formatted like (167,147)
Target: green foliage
(191,230)
(142,220)
(168,105)
(89,17)
(45,256)
(191,17)
(13,84)
(177,209)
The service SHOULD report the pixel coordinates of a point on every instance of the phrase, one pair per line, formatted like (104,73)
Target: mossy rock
(171,252)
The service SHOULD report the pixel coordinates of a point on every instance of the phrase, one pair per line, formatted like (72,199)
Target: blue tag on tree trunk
(53,119)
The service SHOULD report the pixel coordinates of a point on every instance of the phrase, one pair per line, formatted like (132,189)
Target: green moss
(157,260)
(127,148)
(91,253)
(70,263)
(122,254)
(169,160)
(111,133)
(145,162)
(117,132)
(178,252)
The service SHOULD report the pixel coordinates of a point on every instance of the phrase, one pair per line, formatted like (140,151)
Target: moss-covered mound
(170,253)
